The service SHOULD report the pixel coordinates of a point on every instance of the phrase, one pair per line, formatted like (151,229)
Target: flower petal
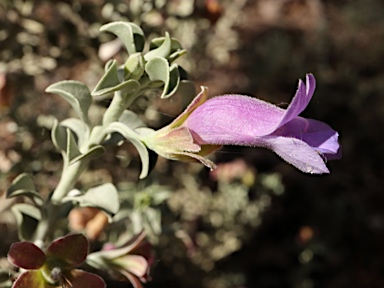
(26,255)
(233,119)
(301,100)
(316,134)
(295,152)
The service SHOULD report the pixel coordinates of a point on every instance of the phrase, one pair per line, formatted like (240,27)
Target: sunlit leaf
(133,137)
(92,153)
(163,51)
(158,69)
(134,66)
(104,197)
(78,127)
(76,93)
(112,81)
(176,55)
(131,120)
(176,48)
(131,35)
(72,148)
(109,79)
(174,80)
(157,42)
(59,137)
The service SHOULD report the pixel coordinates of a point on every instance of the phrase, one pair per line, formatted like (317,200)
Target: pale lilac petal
(237,119)
(233,119)
(296,153)
(316,134)
(301,100)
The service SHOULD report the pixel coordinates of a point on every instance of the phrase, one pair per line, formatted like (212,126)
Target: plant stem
(119,103)
(115,109)
(68,179)
(46,224)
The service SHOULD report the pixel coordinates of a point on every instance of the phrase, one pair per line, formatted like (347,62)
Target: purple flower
(245,121)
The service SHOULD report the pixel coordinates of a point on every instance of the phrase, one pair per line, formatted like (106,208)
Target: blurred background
(255,221)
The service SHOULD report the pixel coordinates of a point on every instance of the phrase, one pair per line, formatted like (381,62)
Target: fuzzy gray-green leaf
(134,66)
(158,70)
(174,80)
(92,153)
(78,127)
(176,55)
(133,137)
(131,35)
(104,197)
(76,93)
(27,218)
(72,148)
(23,185)
(157,42)
(131,119)
(111,82)
(176,48)
(163,51)
(59,137)
(22,182)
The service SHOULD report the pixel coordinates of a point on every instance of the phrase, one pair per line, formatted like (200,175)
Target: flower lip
(315,133)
